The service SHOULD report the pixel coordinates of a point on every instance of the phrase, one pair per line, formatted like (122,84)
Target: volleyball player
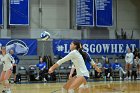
(6,60)
(83,88)
(129,61)
(77,57)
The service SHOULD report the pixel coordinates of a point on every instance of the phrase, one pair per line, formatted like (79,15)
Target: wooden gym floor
(95,87)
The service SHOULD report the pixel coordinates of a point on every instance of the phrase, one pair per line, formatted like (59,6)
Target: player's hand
(50,71)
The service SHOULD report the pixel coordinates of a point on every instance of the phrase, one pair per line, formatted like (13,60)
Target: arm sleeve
(66,58)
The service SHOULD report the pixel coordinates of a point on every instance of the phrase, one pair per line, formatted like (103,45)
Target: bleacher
(63,71)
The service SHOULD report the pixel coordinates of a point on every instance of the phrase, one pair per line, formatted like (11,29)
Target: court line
(56,91)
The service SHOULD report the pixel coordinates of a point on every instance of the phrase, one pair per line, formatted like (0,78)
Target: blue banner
(85,12)
(20,46)
(96,47)
(103,13)
(19,12)
(1,12)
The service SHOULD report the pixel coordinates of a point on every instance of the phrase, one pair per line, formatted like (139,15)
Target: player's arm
(61,61)
(93,63)
(11,58)
(71,72)
(95,66)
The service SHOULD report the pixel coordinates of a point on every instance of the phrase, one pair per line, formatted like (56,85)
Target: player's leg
(6,78)
(126,67)
(2,76)
(14,73)
(84,88)
(2,80)
(77,82)
(129,69)
(68,84)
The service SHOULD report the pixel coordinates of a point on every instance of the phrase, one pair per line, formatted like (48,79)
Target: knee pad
(70,91)
(6,81)
(82,86)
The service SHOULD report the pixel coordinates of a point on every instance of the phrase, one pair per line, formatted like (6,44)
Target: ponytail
(84,55)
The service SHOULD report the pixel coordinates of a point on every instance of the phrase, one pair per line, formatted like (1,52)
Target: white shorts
(5,68)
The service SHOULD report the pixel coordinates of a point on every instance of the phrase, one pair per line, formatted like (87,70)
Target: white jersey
(6,61)
(129,58)
(78,62)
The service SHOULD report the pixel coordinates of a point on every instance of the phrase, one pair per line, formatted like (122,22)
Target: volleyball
(45,35)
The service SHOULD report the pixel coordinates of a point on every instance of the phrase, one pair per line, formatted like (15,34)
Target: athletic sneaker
(120,78)
(126,78)
(111,79)
(44,79)
(8,91)
(37,78)
(3,91)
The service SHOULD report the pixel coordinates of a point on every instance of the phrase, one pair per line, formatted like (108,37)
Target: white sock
(70,91)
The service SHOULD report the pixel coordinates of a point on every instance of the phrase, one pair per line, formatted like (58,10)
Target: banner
(20,46)
(85,12)
(103,13)
(1,12)
(96,47)
(19,12)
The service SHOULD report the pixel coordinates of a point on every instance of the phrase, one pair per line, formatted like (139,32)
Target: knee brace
(82,86)
(70,91)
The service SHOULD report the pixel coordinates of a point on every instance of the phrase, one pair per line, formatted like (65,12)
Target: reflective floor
(95,87)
